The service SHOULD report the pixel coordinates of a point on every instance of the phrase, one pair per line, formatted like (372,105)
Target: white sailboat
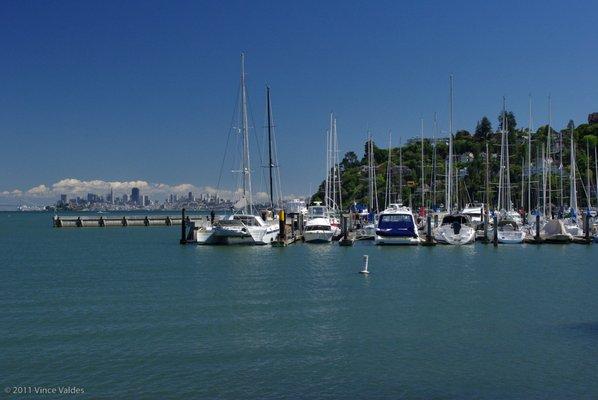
(369,229)
(454,229)
(244,226)
(509,226)
(572,225)
(322,223)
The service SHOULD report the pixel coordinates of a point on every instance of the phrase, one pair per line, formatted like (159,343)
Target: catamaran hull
(245,236)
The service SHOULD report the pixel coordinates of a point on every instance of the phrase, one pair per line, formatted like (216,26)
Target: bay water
(130,313)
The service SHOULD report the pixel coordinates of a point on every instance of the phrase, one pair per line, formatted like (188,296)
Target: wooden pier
(125,221)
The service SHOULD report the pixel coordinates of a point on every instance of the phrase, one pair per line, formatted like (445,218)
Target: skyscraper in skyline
(135,196)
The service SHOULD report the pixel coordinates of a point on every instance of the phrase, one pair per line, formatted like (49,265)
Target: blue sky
(126,91)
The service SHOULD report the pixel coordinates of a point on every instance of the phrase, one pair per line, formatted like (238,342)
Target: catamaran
(244,226)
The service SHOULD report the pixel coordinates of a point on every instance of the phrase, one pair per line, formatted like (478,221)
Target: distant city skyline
(144,91)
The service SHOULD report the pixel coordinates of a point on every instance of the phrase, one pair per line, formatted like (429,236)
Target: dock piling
(183,227)
(495,236)
(485,216)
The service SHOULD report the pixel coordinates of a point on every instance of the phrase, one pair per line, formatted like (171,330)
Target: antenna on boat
(365,265)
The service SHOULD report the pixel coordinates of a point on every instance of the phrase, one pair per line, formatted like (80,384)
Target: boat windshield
(395,218)
(247,220)
(317,228)
(317,211)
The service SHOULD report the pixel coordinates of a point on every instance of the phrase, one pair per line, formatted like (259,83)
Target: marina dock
(136,220)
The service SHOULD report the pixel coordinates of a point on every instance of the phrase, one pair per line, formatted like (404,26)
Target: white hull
(446,235)
(397,240)
(318,236)
(250,235)
(513,237)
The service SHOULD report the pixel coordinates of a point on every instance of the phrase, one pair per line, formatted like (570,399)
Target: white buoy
(365,265)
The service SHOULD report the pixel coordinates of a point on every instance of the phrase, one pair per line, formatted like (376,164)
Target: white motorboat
(396,225)
(455,230)
(321,226)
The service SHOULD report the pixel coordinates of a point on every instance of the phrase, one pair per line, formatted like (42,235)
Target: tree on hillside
(463,134)
(483,129)
(511,121)
(350,160)
(570,125)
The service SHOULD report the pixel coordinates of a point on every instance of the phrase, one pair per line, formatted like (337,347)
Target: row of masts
(544,194)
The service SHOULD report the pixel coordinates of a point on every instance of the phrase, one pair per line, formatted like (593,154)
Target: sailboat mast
(270,163)
(370,174)
(589,185)
(245,128)
(561,171)
(327,183)
(422,159)
(573,194)
(548,156)
(450,154)
(400,196)
(529,157)
(544,181)
(501,173)
(522,183)
(387,195)
(508,198)
(487,177)
(434,161)
(596,173)
(337,171)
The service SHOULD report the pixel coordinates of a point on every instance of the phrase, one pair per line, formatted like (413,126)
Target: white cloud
(75,187)
(39,191)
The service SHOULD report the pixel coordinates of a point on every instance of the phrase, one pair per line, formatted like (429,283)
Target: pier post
(282,225)
(345,239)
(183,228)
(429,240)
(537,228)
(429,228)
(586,226)
(495,236)
(485,216)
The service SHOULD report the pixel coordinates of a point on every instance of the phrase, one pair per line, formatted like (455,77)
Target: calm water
(129,313)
